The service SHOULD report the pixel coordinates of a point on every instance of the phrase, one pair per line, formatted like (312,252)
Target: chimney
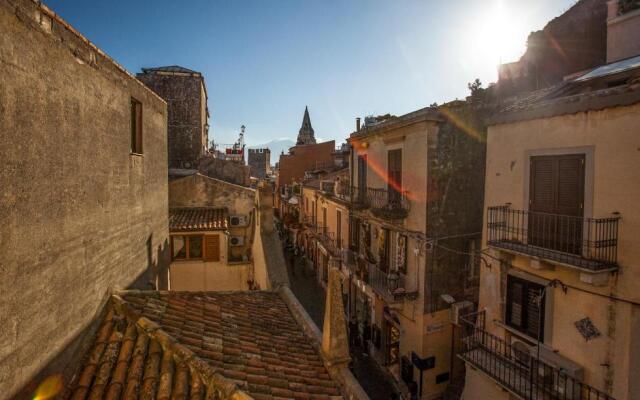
(358,124)
(335,341)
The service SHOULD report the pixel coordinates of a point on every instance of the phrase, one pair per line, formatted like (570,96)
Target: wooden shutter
(212,247)
(523,311)
(394,168)
(362,173)
(557,184)
(557,196)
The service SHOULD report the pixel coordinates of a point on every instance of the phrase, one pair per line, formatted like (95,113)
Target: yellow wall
(611,142)
(199,275)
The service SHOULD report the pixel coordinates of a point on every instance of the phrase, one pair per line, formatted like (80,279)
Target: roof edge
(349,385)
(57,18)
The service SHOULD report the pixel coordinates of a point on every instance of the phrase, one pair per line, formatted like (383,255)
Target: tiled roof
(187,344)
(197,219)
(571,97)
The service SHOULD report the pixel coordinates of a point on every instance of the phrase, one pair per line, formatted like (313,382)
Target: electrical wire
(484,253)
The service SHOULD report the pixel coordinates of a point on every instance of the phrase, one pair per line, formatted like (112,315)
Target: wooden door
(394,178)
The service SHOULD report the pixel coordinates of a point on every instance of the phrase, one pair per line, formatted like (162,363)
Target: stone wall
(80,214)
(455,190)
(184,94)
(228,171)
(259,162)
(202,191)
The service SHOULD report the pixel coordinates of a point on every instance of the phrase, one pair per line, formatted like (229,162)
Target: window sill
(136,154)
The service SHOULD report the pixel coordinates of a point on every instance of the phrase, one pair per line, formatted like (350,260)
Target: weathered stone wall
(183,93)
(259,162)
(228,171)
(571,42)
(455,190)
(79,213)
(202,191)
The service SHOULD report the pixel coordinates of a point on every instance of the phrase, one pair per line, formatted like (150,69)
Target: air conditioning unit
(236,241)
(562,382)
(458,310)
(521,351)
(238,220)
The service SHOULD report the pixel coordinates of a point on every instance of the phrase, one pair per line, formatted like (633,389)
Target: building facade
(185,92)
(559,301)
(323,229)
(415,212)
(260,163)
(213,226)
(83,204)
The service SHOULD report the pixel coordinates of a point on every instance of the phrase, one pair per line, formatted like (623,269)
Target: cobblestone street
(312,297)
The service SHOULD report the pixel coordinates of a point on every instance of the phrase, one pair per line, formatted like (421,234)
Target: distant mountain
(276,146)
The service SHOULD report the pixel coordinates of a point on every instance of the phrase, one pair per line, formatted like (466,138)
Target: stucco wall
(610,137)
(303,158)
(79,214)
(620,30)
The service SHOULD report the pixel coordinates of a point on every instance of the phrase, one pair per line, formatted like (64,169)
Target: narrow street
(312,297)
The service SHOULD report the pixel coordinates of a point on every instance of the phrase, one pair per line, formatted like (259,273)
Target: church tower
(306,134)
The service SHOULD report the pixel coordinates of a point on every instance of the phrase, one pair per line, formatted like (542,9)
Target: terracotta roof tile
(165,345)
(197,219)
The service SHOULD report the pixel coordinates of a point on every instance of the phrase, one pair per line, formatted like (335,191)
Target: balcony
(519,369)
(390,285)
(328,240)
(588,244)
(383,203)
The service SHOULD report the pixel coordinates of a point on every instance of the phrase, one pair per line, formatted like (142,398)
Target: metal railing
(329,240)
(590,243)
(386,203)
(390,285)
(516,369)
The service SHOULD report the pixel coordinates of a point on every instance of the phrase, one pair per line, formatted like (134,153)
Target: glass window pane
(195,246)
(179,249)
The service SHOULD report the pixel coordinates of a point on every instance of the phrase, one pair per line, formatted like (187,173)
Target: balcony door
(394,172)
(556,202)
(362,177)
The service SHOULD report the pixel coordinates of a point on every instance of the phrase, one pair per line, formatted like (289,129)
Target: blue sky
(264,60)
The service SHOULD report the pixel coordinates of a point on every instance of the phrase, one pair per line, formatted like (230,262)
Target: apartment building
(324,214)
(415,206)
(559,306)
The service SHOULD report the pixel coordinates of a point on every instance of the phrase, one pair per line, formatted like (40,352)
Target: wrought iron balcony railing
(329,240)
(385,203)
(390,285)
(586,243)
(518,369)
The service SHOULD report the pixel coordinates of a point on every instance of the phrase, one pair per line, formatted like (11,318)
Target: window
(324,220)
(339,228)
(525,307)
(394,172)
(556,197)
(354,234)
(401,253)
(362,176)
(195,247)
(136,126)
(383,249)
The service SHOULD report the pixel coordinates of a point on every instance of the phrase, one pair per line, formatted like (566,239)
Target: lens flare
(380,170)
(49,388)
